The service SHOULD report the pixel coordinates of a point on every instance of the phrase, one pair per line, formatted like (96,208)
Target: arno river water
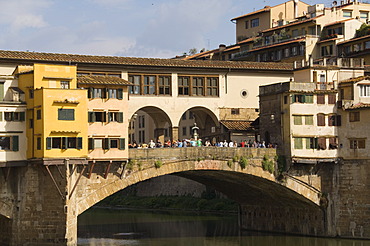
(112,227)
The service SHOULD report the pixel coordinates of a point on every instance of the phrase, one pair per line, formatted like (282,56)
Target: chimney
(221,47)
(296,8)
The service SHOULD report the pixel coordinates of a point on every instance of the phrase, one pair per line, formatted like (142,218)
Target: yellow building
(56,111)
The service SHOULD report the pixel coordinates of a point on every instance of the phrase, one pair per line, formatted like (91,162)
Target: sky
(131,28)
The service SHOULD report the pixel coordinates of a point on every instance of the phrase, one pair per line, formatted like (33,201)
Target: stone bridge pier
(40,201)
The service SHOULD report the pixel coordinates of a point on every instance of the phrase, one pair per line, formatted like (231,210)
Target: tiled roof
(292,24)
(357,79)
(359,106)
(338,22)
(266,9)
(239,125)
(106,80)
(278,44)
(134,61)
(354,39)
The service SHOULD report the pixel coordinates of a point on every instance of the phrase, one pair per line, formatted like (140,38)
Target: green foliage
(280,159)
(230,163)
(158,164)
(243,162)
(236,158)
(130,164)
(363,30)
(140,165)
(267,164)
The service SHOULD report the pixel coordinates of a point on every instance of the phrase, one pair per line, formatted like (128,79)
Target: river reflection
(131,227)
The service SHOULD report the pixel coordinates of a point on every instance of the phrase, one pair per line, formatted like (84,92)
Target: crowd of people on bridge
(199,143)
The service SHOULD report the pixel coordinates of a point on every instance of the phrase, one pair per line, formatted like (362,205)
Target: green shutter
(22,116)
(298,143)
(90,92)
(120,94)
(104,93)
(122,144)
(308,98)
(91,116)
(106,144)
(64,143)
(79,143)
(91,143)
(120,117)
(48,143)
(1,116)
(104,117)
(1,91)
(15,143)
(109,116)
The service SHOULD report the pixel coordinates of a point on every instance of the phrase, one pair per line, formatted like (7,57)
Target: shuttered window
(66,114)
(321,120)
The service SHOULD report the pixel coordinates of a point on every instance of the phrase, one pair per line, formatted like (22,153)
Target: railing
(195,153)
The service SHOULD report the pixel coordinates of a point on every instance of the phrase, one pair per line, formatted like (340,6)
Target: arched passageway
(149,123)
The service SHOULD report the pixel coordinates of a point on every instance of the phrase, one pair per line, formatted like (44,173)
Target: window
(354,116)
(38,114)
(114,143)
(332,98)
(335,120)
(64,84)
(364,15)
(164,85)
(285,99)
(235,111)
(294,50)
(31,123)
(38,143)
(297,119)
(183,85)
(184,131)
(95,143)
(198,86)
(97,116)
(286,52)
(149,85)
(64,143)
(115,117)
(321,143)
(183,117)
(255,22)
(347,13)
(142,121)
(321,99)
(30,93)
(14,116)
(333,143)
(327,50)
(135,88)
(320,120)
(302,98)
(357,143)
(212,86)
(311,143)
(295,33)
(246,24)
(298,143)
(10,143)
(191,115)
(367,45)
(364,90)
(308,120)
(66,114)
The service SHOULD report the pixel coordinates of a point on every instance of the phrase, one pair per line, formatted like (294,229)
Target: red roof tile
(239,125)
(104,80)
(133,61)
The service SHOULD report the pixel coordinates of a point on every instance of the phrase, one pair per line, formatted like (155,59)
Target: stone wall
(293,220)
(5,225)
(347,188)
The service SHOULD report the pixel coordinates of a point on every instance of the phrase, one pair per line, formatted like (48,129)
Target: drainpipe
(226,79)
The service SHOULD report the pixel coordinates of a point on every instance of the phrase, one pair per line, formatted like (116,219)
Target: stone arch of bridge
(251,186)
